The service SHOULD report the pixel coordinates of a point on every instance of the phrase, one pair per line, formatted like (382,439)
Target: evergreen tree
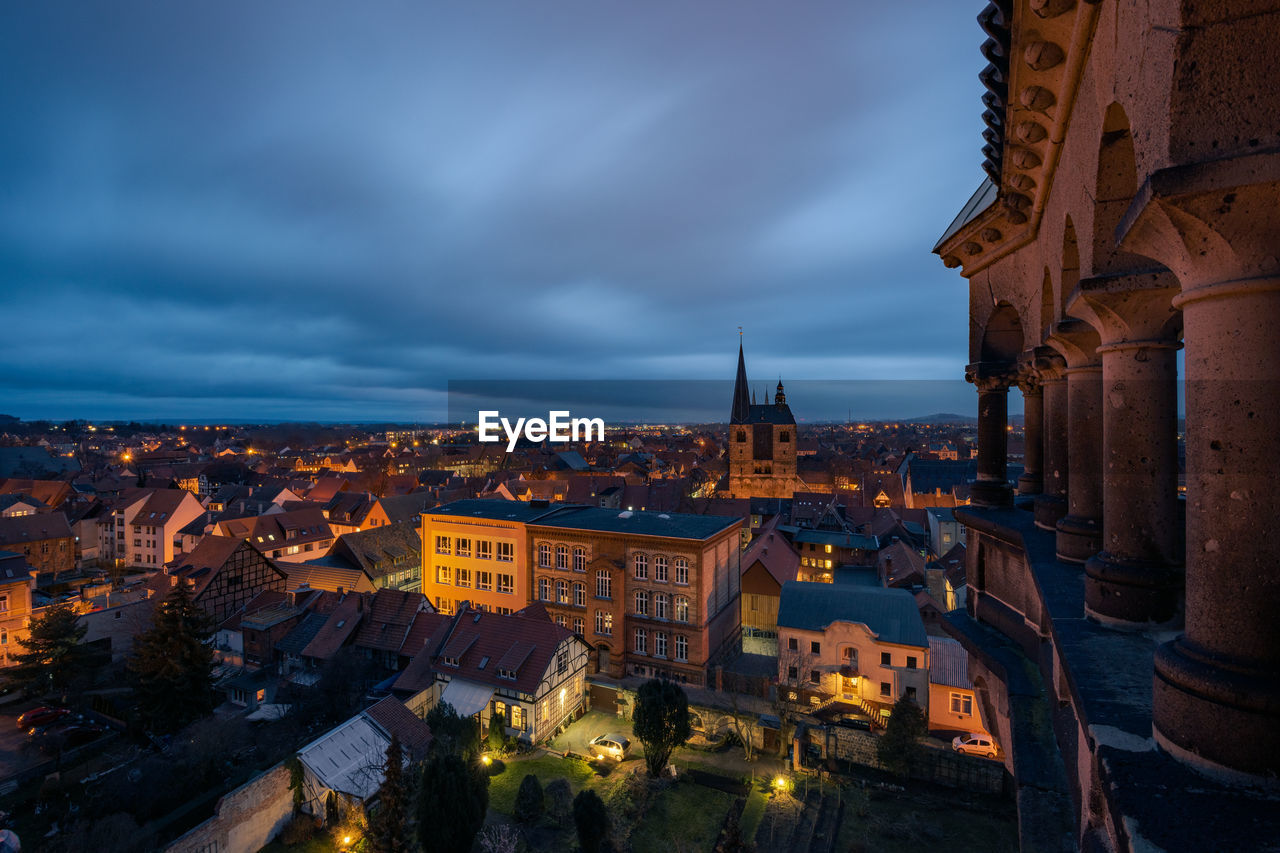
(899,747)
(387,826)
(172,664)
(528,806)
(497,732)
(592,820)
(453,795)
(53,656)
(661,721)
(452,733)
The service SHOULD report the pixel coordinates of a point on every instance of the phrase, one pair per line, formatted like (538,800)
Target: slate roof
(670,525)
(337,629)
(393,717)
(836,539)
(381,549)
(495,510)
(891,614)
(402,508)
(303,633)
(948,663)
(20,529)
(771,413)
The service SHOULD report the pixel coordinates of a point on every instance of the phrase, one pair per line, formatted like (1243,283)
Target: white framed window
(442,545)
(642,641)
(682,647)
(463,548)
(961,703)
(579,595)
(506,552)
(642,567)
(604,623)
(681,609)
(682,571)
(578,626)
(562,557)
(442,574)
(462,577)
(544,589)
(660,601)
(562,592)
(660,643)
(642,602)
(544,555)
(579,559)
(484,580)
(506,583)
(562,622)
(484,549)
(660,569)
(604,584)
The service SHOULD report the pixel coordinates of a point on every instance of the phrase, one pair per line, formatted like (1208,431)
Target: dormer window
(507,673)
(448,661)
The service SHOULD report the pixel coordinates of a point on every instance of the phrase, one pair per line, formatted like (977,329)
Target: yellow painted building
(477,551)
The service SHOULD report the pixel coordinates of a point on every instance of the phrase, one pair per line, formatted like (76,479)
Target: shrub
(559,800)
(299,829)
(592,820)
(528,806)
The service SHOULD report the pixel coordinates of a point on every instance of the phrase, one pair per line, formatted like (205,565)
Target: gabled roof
(390,613)
(337,629)
(483,643)
(160,507)
(393,717)
(379,549)
(890,614)
(772,551)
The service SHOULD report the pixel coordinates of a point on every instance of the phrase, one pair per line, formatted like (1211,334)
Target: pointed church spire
(741,411)
(779,398)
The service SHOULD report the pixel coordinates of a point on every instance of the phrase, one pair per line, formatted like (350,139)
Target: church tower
(762,443)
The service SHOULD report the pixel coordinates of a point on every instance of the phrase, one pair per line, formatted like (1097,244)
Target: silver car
(610,746)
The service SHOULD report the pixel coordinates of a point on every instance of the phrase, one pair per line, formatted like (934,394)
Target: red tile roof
(393,717)
(342,624)
(390,614)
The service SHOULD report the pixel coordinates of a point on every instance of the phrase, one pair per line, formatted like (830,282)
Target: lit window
(562,592)
(604,623)
(506,583)
(578,625)
(681,609)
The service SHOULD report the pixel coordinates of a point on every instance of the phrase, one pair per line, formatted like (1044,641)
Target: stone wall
(937,766)
(245,819)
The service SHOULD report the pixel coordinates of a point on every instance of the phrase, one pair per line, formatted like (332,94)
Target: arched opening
(1002,337)
(1117,183)
(1070,265)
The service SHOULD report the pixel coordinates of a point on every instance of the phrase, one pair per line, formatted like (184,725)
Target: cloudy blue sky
(324,210)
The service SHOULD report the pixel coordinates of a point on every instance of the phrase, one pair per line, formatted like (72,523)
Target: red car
(41,716)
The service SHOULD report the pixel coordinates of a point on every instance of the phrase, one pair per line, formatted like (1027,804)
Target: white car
(610,746)
(975,743)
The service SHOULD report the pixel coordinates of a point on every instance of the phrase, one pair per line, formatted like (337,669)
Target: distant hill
(943,418)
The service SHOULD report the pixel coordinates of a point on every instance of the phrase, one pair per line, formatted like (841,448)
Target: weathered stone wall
(942,768)
(245,819)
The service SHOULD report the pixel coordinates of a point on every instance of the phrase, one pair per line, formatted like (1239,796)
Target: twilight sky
(327,210)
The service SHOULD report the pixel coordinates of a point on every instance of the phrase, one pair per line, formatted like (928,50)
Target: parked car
(853,721)
(611,746)
(975,743)
(42,716)
(70,737)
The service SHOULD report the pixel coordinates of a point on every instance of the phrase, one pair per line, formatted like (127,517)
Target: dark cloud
(325,210)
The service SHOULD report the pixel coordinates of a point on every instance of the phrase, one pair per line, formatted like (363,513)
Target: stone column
(1080,530)
(1051,503)
(1032,480)
(1216,691)
(1136,580)
(992,379)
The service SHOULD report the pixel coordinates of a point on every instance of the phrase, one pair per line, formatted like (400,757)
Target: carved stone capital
(1077,342)
(1209,222)
(1131,306)
(989,376)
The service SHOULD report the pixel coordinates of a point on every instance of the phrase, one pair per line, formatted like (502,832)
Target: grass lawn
(753,812)
(682,819)
(503,786)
